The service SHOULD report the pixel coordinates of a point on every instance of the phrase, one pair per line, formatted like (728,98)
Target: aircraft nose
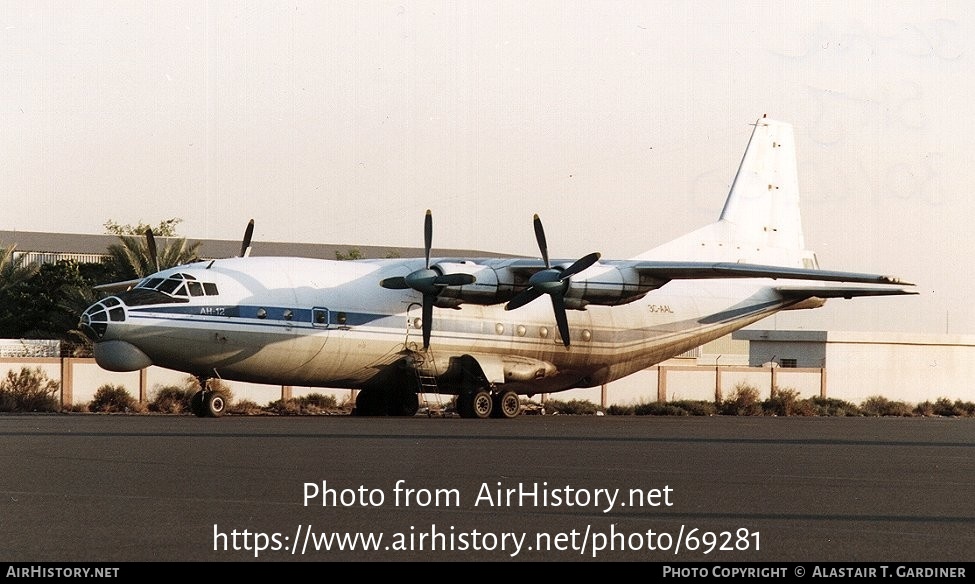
(94,320)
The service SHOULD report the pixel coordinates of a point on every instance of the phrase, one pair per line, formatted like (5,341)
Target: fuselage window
(288,314)
(320,316)
(261,313)
(210,289)
(195,288)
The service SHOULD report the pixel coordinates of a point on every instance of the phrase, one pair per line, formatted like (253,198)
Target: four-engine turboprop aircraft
(478,328)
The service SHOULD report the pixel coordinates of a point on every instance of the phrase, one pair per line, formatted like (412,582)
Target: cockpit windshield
(179,285)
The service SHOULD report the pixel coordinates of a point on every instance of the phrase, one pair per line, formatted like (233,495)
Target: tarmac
(154,488)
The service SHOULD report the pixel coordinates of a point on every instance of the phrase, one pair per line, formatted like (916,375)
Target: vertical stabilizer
(763,205)
(760,222)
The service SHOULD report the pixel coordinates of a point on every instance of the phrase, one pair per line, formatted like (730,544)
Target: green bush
(743,402)
(30,390)
(112,399)
(880,406)
(615,410)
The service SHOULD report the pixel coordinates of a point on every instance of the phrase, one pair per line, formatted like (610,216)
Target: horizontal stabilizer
(839,292)
(707,270)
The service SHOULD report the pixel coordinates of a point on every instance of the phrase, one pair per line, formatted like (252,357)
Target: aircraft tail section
(760,221)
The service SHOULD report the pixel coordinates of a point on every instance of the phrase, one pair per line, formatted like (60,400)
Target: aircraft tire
(365,403)
(475,404)
(404,402)
(506,405)
(196,405)
(215,404)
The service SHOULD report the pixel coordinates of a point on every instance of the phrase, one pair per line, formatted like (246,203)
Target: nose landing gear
(208,403)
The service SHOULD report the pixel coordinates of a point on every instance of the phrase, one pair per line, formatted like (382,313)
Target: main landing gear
(208,403)
(482,403)
(397,401)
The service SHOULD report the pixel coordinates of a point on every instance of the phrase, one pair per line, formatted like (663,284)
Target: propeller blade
(580,265)
(427,236)
(396,283)
(151,248)
(245,245)
(523,298)
(540,238)
(454,280)
(428,300)
(558,304)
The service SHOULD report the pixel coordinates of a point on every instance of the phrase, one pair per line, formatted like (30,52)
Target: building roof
(27,241)
(853,337)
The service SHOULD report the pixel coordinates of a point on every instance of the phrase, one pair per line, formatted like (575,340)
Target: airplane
(478,328)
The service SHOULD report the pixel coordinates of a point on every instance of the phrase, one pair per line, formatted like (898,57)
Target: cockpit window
(169,286)
(180,285)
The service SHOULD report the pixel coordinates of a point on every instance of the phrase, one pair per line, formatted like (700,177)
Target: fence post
(67,383)
(661,384)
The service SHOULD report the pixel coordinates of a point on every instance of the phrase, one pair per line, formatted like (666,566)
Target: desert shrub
(76,408)
(659,409)
(880,406)
(245,407)
(967,407)
(172,399)
(312,404)
(785,402)
(318,400)
(696,407)
(29,390)
(945,407)
(615,410)
(575,407)
(113,398)
(743,402)
(827,406)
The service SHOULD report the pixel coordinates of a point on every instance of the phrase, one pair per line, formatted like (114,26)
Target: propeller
(551,281)
(428,281)
(245,245)
(152,250)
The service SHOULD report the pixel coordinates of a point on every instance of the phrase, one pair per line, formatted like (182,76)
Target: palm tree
(13,270)
(132,257)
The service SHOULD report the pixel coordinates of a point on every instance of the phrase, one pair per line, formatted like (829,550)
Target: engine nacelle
(486,290)
(608,286)
(612,286)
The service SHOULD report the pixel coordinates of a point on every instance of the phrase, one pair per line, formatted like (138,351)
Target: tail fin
(760,222)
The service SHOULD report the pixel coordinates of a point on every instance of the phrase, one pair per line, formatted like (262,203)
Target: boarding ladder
(426,379)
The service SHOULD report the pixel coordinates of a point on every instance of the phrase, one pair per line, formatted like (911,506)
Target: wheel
(506,405)
(365,403)
(215,404)
(403,402)
(482,404)
(196,405)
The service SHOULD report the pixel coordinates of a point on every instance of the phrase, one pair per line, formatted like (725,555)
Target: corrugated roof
(27,241)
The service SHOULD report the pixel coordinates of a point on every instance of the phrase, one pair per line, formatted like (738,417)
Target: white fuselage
(323,323)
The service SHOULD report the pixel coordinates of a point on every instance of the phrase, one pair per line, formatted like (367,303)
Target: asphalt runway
(117,488)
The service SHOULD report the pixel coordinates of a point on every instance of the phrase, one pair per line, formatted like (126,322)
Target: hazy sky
(620,123)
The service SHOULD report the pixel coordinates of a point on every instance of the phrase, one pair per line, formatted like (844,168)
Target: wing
(666,271)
